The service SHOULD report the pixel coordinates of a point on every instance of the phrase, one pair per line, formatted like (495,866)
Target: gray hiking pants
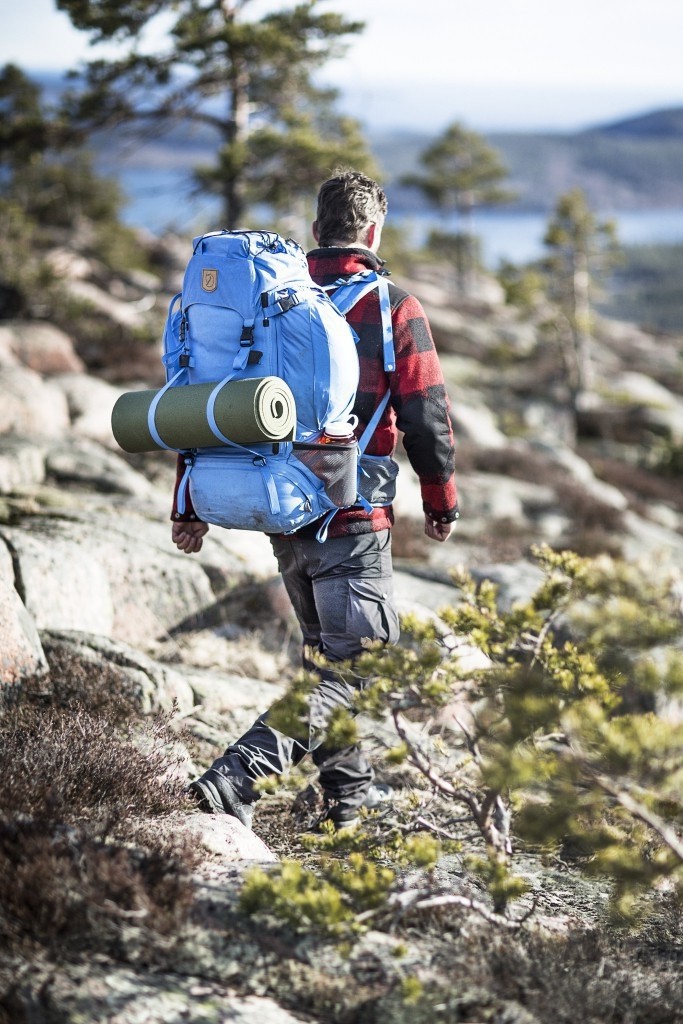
(342,593)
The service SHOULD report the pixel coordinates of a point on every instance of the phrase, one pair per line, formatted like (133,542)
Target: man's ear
(314,229)
(373,235)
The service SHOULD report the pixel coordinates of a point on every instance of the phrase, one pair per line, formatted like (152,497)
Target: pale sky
(491,63)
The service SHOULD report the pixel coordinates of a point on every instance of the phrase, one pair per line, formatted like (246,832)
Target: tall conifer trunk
(234,190)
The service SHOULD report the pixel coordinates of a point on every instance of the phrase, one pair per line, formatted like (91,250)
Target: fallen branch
(413,900)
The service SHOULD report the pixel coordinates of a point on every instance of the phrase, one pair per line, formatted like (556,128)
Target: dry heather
(78,864)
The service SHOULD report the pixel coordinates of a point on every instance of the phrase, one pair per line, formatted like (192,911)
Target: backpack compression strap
(152,427)
(152,411)
(274,302)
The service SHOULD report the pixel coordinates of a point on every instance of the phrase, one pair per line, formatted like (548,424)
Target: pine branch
(642,813)
(437,781)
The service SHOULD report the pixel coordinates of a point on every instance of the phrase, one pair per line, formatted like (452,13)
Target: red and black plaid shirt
(419,405)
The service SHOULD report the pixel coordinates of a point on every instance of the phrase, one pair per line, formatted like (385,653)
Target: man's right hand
(188,536)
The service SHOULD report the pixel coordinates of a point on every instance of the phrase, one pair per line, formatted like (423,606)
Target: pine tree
(24,126)
(461,172)
(581,251)
(47,183)
(249,82)
(567,739)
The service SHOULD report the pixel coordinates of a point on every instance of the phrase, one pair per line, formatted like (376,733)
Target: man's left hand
(438,531)
(188,537)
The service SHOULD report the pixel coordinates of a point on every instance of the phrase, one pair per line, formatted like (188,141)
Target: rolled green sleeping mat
(251,411)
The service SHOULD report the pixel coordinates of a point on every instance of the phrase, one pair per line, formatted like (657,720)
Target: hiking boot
(378,796)
(216,794)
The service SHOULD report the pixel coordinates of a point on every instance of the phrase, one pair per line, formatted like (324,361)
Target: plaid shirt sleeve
(420,401)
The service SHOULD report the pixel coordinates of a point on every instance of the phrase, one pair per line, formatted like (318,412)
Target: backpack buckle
(287,301)
(247,336)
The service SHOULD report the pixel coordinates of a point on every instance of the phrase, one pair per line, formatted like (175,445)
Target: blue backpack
(249,308)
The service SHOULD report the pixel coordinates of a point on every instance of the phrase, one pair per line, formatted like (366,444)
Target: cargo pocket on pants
(370,614)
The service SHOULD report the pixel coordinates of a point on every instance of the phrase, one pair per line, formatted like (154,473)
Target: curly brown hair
(348,203)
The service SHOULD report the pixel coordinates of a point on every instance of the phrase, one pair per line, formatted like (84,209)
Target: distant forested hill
(629,164)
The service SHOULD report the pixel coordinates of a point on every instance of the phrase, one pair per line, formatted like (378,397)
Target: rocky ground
(88,574)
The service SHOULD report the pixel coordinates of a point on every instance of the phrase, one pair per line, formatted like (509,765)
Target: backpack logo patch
(209,279)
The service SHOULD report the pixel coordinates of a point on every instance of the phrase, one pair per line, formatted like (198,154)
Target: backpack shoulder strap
(347,291)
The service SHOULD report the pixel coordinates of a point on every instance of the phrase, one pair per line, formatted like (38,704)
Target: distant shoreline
(155,197)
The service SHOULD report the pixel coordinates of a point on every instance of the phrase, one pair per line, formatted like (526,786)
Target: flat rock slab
(117,574)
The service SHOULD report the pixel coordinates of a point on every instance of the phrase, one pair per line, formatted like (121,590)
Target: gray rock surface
(116,574)
(21,653)
(22,463)
(422,593)
(88,465)
(116,994)
(516,582)
(31,406)
(223,837)
(90,402)
(40,346)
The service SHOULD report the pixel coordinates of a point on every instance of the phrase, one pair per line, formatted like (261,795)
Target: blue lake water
(518,236)
(163,199)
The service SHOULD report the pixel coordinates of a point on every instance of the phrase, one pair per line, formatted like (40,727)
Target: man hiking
(342,589)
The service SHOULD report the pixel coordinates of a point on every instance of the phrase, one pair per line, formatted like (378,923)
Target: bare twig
(113,908)
(480,908)
(422,823)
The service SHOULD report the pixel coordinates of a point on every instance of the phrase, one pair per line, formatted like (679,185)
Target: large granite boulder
(90,466)
(90,402)
(22,463)
(116,573)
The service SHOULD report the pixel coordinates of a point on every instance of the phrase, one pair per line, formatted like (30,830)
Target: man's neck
(347,245)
